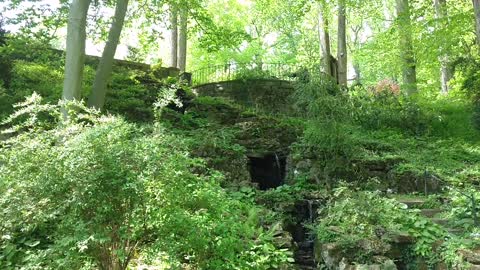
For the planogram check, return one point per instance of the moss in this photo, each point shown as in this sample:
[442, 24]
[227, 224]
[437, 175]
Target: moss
[220, 151]
[217, 110]
[263, 135]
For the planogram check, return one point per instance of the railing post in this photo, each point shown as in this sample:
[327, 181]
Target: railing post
[425, 182]
[474, 209]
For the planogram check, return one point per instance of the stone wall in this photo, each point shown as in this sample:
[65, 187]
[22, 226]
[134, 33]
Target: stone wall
[267, 95]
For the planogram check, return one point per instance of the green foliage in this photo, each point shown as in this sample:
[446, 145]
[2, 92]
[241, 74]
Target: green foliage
[131, 92]
[389, 110]
[5, 105]
[450, 250]
[354, 217]
[92, 194]
[28, 77]
[327, 111]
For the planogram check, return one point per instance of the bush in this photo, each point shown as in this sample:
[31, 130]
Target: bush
[387, 109]
[94, 194]
[327, 111]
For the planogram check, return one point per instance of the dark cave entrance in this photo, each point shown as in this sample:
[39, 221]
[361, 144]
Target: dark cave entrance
[268, 171]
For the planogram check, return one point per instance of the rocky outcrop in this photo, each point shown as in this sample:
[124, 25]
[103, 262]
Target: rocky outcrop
[333, 257]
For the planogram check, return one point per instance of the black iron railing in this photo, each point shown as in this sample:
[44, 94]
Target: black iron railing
[236, 71]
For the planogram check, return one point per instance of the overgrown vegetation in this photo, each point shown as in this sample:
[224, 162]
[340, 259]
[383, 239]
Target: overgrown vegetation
[325, 169]
[99, 191]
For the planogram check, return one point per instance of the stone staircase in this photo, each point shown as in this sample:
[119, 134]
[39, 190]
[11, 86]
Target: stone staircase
[435, 215]
[305, 259]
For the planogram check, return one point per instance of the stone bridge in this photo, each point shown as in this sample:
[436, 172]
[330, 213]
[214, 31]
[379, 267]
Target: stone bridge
[264, 87]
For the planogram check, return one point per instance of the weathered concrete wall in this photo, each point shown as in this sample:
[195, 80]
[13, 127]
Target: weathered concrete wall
[266, 95]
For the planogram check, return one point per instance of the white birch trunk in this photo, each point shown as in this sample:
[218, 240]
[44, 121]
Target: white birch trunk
[75, 50]
[182, 41]
[174, 37]
[104, 69]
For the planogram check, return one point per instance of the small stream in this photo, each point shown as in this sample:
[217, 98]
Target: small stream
[305, 214]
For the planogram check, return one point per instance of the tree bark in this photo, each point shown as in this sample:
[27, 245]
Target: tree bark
[445, 69]
[358, 74]
[342, 44]
[476, 8]
[324, 40]
[75, 50]
[174, 37]
[104, 69]
[182, 41]
[406, 47]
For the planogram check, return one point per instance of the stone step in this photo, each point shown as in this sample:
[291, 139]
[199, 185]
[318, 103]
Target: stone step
[430, 212]
[455, 231]
[440, 221]
[412, 202]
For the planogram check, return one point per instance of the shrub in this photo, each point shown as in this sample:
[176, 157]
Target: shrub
[327, 111]
[93, 194]
[386, 86]
[387, 109]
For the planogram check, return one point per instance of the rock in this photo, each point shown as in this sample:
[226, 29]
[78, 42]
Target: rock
[344, 265]
[400, 238]
[330, 254]
[387, 264]
[441, 266]
[374, 246]
[471, 256]
[282, 238]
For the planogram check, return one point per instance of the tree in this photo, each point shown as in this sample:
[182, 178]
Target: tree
[476, 8]
[406, 47]
[342, 44]
[104, 69]
[174, 36]
[3, 33]
[182, 40]
[74, 62]
[445, 70]
[324, 39]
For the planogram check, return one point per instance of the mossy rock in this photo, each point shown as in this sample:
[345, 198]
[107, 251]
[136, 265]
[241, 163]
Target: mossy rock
[216, 110]
[264, 135]
[221, 153]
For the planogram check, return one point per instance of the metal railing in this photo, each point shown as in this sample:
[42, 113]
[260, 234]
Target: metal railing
[238, 71]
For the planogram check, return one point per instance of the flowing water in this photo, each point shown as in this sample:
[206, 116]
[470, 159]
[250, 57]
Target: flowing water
[303, 236]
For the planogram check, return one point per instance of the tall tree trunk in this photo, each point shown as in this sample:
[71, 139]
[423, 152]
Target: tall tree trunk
[182, 41]
[476, 8]
[104, 69]
[406, 47]
[445, 70]
[342, 44]
[75, 47]
[174, 36]
[358, 74]
[324, 41]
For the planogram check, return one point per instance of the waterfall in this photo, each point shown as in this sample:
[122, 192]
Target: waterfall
[310, 210]
[279, 167]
